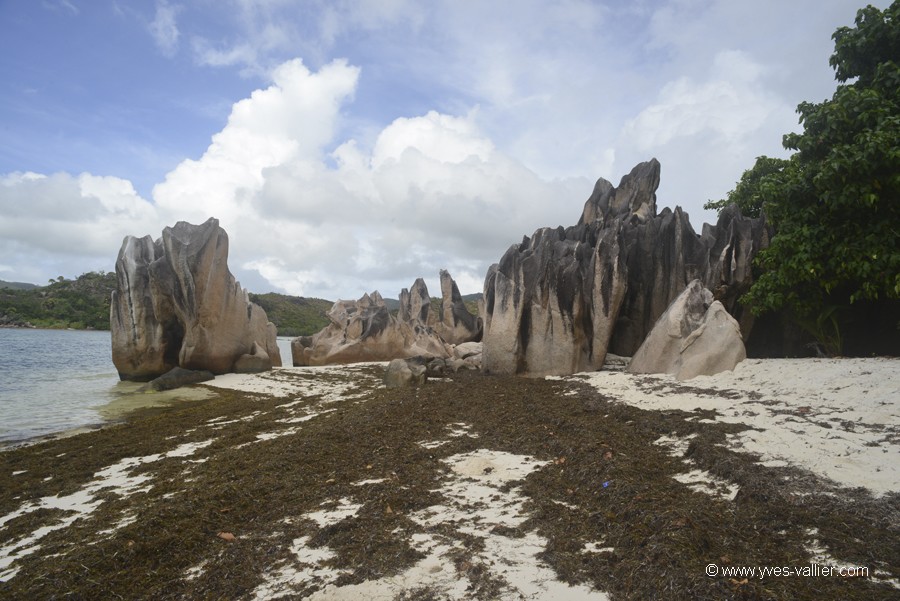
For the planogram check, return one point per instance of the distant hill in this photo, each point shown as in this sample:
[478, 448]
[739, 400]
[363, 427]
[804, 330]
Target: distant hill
[294, 315]
[17, 285]
[82, 303]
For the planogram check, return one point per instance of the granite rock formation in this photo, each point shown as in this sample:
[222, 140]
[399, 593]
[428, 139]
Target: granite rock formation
[695, 336]
[177, 305]
[176, 378]
[455, 324]
[557, 302]
[401, 373]
[365, 330]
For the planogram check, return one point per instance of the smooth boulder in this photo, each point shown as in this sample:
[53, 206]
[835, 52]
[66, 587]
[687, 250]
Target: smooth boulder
[401, 373]
[256, 361]
[176, 304]
[695, 336]
[176, 378]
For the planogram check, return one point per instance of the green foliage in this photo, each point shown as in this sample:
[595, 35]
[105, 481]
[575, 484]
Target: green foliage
[747, 193]
[835, 205]
[17, 285]
[82, 303]
[294, 315]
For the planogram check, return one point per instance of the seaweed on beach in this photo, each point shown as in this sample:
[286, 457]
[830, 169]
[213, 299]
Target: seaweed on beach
[216, 524]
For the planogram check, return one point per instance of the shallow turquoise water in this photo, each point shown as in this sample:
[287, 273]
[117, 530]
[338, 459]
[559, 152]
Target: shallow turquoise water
[51, 380]
[57, 380]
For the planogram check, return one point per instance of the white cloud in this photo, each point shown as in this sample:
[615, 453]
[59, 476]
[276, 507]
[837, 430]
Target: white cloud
[706, 132]
[164, 28]
[453, 129]
[60, 224]
[730, 105]
[56, 5]
[431, 193]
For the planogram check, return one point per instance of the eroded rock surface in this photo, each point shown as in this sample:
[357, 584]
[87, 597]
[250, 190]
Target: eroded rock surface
[455, 324]
[177, 305]
[365, 330]
[557, 302]
[695, 336]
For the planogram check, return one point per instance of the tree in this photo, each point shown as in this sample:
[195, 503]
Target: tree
[747, 192]
[835, 204]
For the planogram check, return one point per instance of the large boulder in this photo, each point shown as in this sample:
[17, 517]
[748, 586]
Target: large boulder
[552, 302]
[695, 336]
[557, 302]
[365, 330]
[176, 304]
[415, 304]
[401, 373]
[256, 361]
[176, 378]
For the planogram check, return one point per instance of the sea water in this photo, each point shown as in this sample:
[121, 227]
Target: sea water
[52, 380]
[59, 380]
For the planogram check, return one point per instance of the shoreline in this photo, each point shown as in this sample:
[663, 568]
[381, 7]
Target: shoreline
[124, 400]
[319, 482]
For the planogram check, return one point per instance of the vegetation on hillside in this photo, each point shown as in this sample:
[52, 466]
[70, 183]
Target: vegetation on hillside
[835, 203]
[294, 315]
[17, 285]
[82, 303]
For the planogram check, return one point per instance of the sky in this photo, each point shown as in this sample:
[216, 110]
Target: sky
[347, 146]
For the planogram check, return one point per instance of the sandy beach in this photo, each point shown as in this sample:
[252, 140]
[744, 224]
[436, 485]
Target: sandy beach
[320, 483]
[838, 418]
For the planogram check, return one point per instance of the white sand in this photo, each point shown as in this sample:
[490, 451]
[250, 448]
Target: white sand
[838, 418]
[298, 381]
[475, 502]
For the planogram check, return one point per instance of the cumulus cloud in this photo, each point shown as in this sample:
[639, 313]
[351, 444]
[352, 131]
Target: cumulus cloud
[705, 132]
[318, 216]
[452, 130]
[64, 224]
[164, 28]
[307, 212]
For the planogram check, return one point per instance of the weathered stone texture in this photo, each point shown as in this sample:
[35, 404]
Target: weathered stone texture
[365, 330]
[559, 300]
[695, 336]
[178, 305]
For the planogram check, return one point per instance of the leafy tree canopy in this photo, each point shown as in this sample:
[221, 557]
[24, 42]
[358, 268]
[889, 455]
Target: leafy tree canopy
[747, 194]
[835, 204]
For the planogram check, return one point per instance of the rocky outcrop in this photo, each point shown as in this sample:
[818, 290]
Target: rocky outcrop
[254, 362]
[455, 325]
[415, 304]
[177, 305]
[557, 302]
[401, 373]
[695, 336]
[365, 330]
[176, 378]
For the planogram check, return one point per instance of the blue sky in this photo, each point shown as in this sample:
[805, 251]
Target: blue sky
[347, 146]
